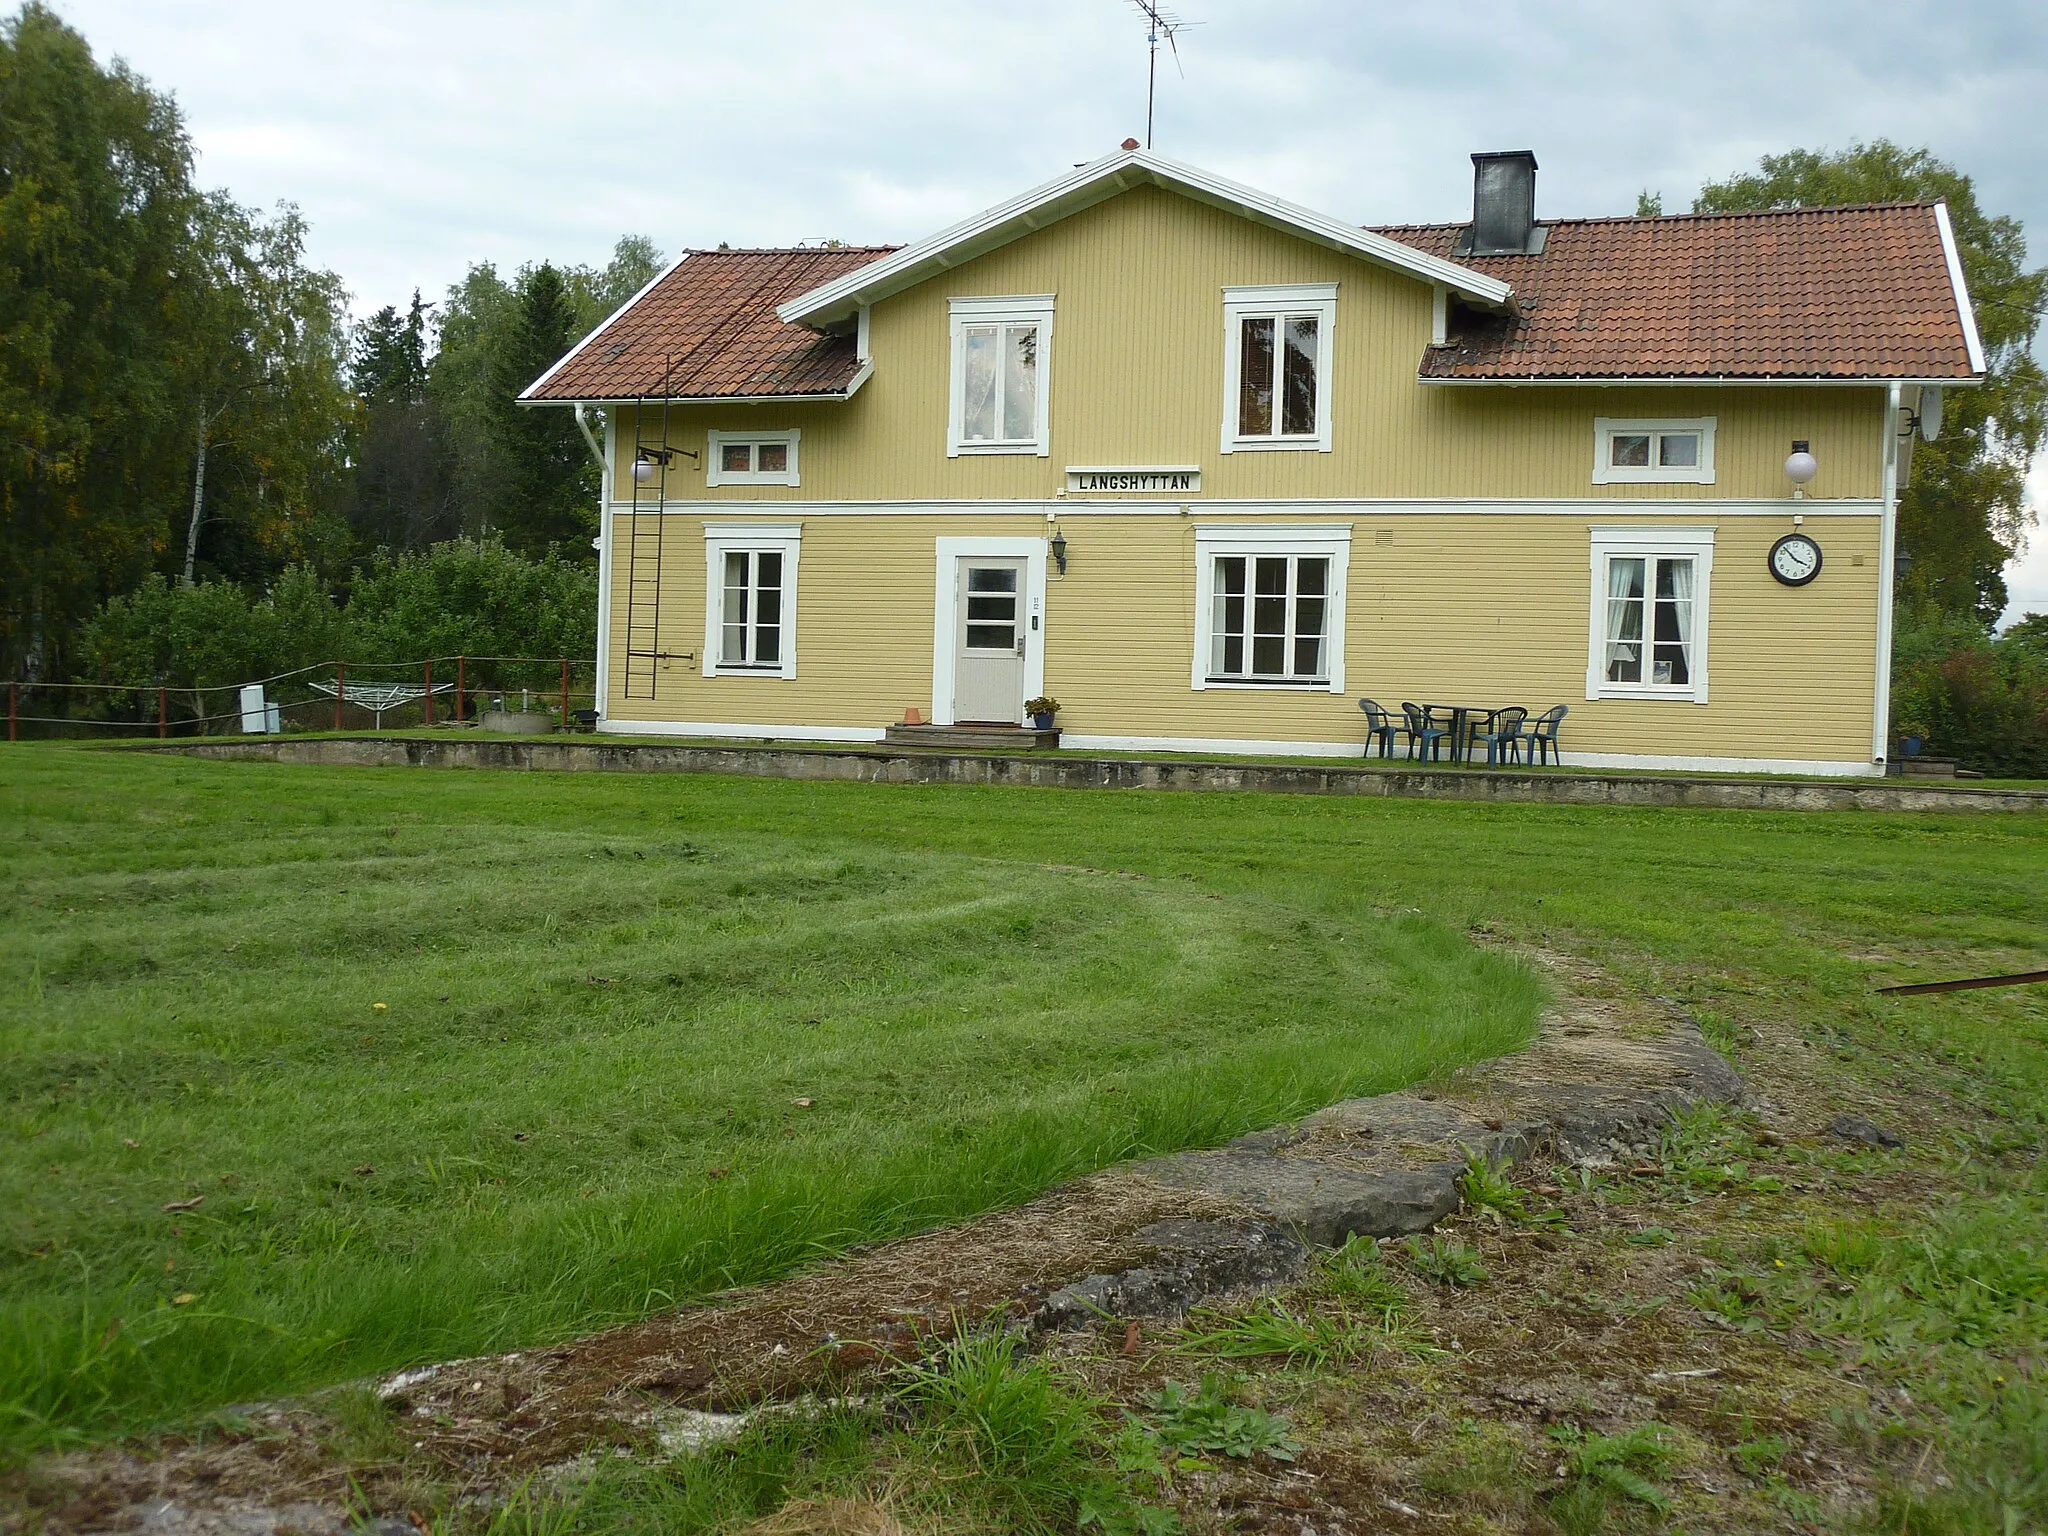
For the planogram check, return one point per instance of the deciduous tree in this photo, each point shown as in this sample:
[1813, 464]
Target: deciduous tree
[1961, 519]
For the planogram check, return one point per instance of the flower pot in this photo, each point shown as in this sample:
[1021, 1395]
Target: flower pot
[1042, 721]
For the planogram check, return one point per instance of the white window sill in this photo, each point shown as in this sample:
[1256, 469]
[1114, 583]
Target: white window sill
[1276, 445]
[732, 669]
[1278, 684]
[1654, 477]
[962, 450]
[1688, 694]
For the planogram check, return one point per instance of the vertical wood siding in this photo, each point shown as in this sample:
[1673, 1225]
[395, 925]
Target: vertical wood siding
[1136, 377]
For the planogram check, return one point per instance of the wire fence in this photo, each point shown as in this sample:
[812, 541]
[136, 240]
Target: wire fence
[327, 696]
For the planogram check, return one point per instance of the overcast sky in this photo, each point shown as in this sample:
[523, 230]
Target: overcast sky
[419, 136]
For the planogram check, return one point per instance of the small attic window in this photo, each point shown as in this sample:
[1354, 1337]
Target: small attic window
[753, 458]
[1648, 452]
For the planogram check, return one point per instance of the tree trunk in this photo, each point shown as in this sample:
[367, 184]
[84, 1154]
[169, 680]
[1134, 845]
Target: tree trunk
[198, 502]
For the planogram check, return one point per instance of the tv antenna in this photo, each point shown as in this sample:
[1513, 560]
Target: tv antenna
[1161, 25]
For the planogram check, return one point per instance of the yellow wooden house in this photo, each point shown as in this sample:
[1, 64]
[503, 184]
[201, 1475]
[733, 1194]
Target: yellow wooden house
[1209, 467]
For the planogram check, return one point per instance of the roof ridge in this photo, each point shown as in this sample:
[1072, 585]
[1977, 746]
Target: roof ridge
[782, 250]
[1680, 218]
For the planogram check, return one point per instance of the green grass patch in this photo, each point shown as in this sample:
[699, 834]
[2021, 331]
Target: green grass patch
[314, 1073]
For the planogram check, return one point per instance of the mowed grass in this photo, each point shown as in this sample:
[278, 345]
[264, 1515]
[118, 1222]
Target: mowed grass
[309, 1073]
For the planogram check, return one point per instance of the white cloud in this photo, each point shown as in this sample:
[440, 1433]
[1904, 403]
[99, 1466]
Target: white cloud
[419, 136]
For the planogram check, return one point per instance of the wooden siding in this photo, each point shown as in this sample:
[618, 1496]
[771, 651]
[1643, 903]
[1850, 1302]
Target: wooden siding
[1136, 377]
[1473, 607]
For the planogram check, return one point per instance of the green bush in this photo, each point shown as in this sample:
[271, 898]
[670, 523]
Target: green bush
[459, 598]
[1982, 701]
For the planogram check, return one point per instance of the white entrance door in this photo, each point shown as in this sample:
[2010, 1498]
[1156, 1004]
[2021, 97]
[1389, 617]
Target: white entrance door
[989, 640]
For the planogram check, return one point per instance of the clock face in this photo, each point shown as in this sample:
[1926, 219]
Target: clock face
[1795, 560]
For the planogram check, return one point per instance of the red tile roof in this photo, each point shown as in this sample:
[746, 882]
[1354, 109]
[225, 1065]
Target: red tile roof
[707, 330]
[1848, 293]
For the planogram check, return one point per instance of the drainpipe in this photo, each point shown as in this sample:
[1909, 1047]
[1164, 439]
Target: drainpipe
[603, 454]
[1887, 539]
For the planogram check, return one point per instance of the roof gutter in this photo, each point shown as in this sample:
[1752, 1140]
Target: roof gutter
[860, 377]
[1706, 381]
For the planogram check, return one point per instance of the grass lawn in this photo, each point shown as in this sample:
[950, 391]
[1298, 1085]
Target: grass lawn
[589, 961]
[311, 1073]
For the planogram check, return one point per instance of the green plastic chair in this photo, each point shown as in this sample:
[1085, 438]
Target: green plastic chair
[1504, 742]
[1543, 735]
[1424, 734]
[1379, 727]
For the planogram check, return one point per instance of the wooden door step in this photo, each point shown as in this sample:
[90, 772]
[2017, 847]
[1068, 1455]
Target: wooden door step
[970, 738]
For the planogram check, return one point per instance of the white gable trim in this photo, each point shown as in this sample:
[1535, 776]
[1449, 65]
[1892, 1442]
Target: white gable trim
[599, 329]
[1962, 289]
[1098, 181]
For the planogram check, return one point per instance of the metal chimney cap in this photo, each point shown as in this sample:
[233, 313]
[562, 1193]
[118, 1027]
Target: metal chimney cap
[1481, 156]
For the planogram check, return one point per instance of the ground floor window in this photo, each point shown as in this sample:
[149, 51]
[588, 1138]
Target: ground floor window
[750, 599]
[1271, 606]
[1649, 613]
[1269, 618]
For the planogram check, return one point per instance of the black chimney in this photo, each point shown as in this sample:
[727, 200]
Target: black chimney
[1503, 206]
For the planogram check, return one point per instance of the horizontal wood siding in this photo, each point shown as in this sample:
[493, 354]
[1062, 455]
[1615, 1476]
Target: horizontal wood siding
[1464, 607]
[1136, 377]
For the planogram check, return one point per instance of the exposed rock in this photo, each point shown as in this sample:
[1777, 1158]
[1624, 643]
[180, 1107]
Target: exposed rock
[1195, 1259]
[1866, 1132]
[1324, 1202]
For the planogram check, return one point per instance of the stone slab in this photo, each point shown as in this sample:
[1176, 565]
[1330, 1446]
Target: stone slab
[1066, 769]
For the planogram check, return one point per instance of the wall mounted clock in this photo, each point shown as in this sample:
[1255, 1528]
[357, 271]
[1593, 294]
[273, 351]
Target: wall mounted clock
[1795, 559]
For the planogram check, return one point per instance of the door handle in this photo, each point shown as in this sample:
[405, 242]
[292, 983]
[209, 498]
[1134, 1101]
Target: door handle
[1020, 642]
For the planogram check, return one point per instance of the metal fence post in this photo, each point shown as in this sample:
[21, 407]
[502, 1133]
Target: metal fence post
[340, 677]
[458, 689]
[565, 693]
[430, 691]
[163, 713]
[13, 711]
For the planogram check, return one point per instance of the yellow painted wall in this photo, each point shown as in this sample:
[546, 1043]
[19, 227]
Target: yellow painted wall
[1473, 607]
[1136, 377]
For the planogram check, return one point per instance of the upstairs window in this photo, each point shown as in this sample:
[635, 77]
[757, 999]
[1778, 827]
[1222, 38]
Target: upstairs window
[1276, 366]
[752, 458]
[1648, 452]
[1001, 353]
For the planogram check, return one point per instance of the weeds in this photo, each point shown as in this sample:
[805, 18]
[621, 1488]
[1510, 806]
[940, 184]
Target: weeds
[1446, 1261]
[1356, 1274]
[1309, 1340]
[1204, 1419]
[1617, 1463]
[1490, 1192]
[1033, 1442]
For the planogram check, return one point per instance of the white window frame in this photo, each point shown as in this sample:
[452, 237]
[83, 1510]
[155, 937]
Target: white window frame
[1016, 309]
[716, 474]
[1606, 472]
[722, 539]
[1650, 544]
[1275, 302]
[1329, 540]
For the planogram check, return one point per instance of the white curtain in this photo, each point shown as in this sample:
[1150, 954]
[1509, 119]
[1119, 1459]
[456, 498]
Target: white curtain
[1624, 619]
[1681, 606]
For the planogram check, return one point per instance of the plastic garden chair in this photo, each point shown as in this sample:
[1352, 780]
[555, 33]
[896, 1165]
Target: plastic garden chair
[1543, 735]
[1379, 727]
[1424, 734]
[1504, 742]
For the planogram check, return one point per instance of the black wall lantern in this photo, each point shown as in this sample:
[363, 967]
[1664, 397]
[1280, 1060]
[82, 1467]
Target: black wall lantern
[1059, 551]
